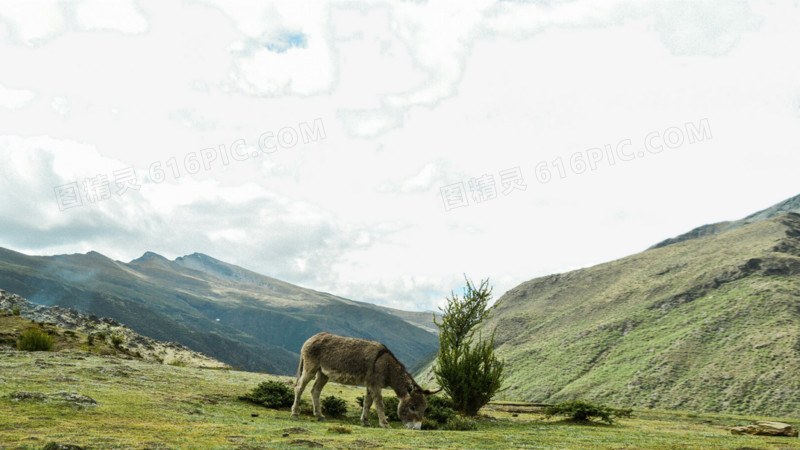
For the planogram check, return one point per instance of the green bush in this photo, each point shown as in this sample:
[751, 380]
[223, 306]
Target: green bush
[270, 394]
[467, 367]
[100, 336]
[90, 340]
[333, 406]
[15, 311]
[460, 423]
[583, 411]
[429, 424]
[440, 409]
[34, 340]
[116, 341]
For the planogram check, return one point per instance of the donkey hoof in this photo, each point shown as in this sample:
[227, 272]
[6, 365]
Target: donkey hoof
[321, 419]
[294, 417]
[365, 423]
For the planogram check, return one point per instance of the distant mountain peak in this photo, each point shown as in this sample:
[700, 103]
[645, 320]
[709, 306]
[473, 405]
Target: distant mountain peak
[198, 256]
[90, 255]
[149, 256]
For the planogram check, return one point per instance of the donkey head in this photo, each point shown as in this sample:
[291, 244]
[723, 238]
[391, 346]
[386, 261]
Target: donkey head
[412, 407]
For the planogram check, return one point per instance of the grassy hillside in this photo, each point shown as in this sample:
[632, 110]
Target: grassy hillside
[145, 405]
[234, 315]
[711, 324]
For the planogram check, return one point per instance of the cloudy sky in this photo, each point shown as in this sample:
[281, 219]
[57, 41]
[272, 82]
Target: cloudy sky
[379, 150]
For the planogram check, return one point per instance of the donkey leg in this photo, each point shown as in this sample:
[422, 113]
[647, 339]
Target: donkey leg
[302, 382]
[367, 405]
[378, 399]
[315, 391]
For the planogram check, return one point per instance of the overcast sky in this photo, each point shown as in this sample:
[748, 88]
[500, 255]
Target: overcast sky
[379, 150]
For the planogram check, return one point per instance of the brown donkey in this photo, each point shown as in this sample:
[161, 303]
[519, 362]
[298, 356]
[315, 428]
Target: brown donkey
[358, 362]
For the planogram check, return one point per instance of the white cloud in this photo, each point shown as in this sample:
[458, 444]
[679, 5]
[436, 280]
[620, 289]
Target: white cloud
[34, 23]
[15, 98]
[285, 49]
[122, 16]
[60, 105]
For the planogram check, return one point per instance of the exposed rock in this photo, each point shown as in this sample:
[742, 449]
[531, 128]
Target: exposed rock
[73, 397]
[305, 443]
[766, 429]
[57, 446]
[21, 396]
[62, 396]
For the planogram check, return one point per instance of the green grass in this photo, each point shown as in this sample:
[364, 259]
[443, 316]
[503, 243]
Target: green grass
[143, 404]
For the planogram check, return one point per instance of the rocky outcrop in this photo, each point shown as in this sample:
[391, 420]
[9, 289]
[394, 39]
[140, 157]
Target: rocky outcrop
[104, 328]
[767, 429]
[72, 398]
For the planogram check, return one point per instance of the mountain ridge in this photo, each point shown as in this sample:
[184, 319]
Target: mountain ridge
[789, 205]
[240, 317]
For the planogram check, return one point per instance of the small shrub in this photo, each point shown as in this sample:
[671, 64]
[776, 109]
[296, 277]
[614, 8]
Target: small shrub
[583, 411]
[270, 394]
[177, 363]
[429, 424]
[15, 311]
[35, 340]
[460, 423]
[90, 340]
[467, 367]
[116, 341]
[360, 401]
[100, 336]
[333, 406]
[440, 409]
[341, 429]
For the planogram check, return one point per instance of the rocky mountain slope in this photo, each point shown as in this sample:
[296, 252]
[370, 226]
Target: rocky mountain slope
[102, 329]
[786, 206]
[709, 324]
[232, 314]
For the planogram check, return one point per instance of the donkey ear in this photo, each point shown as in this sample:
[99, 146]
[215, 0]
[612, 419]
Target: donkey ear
[429, 392]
